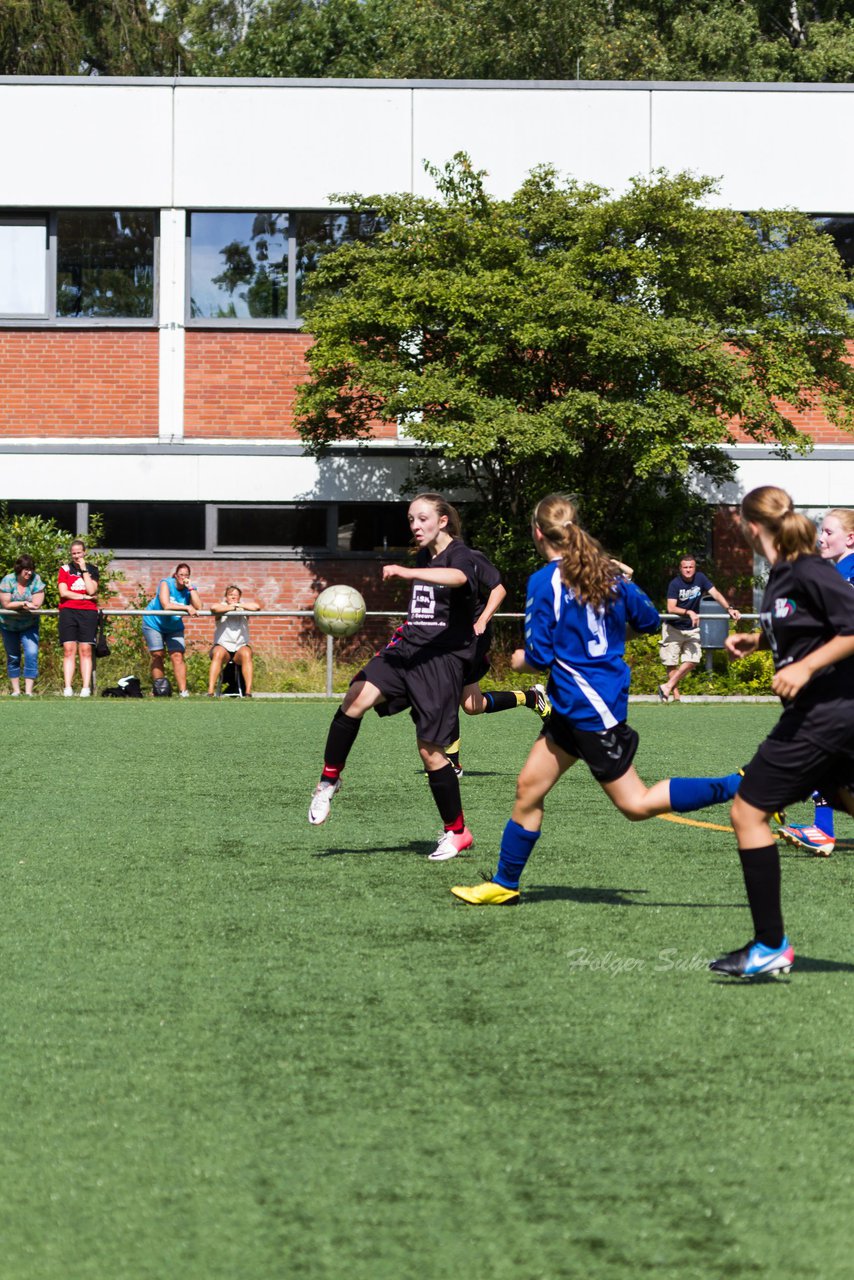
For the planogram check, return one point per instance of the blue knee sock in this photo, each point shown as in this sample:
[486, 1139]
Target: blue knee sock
[517, 845]
[823, 814]
[687, 794]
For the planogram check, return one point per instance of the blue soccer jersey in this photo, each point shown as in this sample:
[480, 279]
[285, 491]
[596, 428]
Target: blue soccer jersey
[583, 647]
[845, 566]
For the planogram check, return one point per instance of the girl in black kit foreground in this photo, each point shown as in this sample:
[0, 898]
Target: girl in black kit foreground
[420, 670]
[807, 621]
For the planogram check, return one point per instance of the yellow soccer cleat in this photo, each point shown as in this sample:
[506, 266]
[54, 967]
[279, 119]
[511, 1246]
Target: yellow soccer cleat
[488, 894]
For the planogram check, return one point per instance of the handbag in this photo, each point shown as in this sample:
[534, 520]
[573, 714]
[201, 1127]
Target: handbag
[102, 648]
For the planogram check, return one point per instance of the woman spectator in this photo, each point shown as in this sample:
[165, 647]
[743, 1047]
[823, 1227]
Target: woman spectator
[78, 616]
[161, 632]
[23, 591]
[231, 638]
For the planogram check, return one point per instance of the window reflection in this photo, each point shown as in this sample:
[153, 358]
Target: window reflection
[317, 233]
[239, 266]
[105, 263]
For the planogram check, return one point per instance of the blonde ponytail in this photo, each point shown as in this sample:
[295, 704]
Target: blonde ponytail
[585, 567]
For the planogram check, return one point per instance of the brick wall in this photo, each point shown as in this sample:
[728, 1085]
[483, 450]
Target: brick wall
[90, 382]
[241, 384]
[275, 584]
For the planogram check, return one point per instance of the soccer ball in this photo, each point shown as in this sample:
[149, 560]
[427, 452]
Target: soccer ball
[339, 611]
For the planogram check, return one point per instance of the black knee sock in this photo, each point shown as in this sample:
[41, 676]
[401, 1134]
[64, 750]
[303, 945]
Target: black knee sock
[342, 734]
[761, 868]
[502, 701]
[445, 788]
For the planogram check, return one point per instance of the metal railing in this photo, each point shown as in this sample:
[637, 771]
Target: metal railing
[305, 613]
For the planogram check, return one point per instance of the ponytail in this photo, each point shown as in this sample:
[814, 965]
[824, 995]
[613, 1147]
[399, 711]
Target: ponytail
[585, 567]
[792, 533]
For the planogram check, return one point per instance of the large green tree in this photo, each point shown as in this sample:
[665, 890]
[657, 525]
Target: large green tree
[86, 37]
[771, 40]
[567, 338]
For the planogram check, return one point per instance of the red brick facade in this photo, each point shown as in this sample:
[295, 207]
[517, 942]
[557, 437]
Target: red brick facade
[241, 384]
[81, 383]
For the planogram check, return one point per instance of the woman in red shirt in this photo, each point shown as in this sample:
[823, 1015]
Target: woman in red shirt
[78, 616]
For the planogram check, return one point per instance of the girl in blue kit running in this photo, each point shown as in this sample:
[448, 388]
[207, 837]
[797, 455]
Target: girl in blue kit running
[576, 613]
[836, 544]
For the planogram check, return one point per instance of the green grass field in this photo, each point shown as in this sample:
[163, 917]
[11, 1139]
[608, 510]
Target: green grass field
[237, 1046]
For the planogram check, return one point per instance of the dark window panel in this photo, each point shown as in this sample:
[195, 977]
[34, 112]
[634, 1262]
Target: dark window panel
[153, 526]
[369, 526]
[271, 527]
[318, 233]
[841, 230]
[64, 514]
[105, 263]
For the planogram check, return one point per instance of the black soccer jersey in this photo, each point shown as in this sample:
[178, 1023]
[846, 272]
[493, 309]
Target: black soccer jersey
[806, 603]
[440, 617]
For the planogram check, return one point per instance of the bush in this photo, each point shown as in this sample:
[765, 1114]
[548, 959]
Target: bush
[48, 544]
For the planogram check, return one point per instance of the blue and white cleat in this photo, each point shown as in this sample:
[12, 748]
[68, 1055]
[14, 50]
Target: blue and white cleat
[756, 961]
[812, 838]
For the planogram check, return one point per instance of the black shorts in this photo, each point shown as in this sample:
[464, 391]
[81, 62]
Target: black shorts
[608, 753]
[479, 664]
[787, 768]
[428, 686]
[78, 625]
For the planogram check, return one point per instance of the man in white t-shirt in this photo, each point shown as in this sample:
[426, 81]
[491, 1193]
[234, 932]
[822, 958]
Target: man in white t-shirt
[231, 638]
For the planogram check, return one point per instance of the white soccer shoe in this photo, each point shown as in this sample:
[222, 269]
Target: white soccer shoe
[450, 844]
[321, 801]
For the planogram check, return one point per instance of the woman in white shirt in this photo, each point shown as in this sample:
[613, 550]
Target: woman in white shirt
[231, 638]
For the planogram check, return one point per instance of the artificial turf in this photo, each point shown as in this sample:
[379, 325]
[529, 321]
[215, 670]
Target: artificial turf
[237, 1046]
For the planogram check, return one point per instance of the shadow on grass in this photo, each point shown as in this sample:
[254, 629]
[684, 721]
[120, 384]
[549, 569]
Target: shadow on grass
[803, 965]
[591, 897]
[418, 849]
[812, 964]
[609, 897]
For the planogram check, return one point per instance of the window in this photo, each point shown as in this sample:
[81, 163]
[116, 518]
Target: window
[153, 526]
[318, 233]
[23, 266]
[63, 514]
[251, 267]
[105, 264]
[272, 527]
[373, 526]
[90, 265]
[841, 230]
[233, 530]
[239, 266]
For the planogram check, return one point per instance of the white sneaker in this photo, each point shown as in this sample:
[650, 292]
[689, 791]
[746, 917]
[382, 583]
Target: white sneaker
[450, 844]
[321, 801]
[185, 693]
[86, 693]
[68, 692]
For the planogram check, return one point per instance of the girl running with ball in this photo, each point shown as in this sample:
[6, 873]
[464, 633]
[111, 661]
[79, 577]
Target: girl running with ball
[421, 669]
[577, 609]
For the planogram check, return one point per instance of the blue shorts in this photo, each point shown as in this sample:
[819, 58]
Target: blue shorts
[155, 640]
